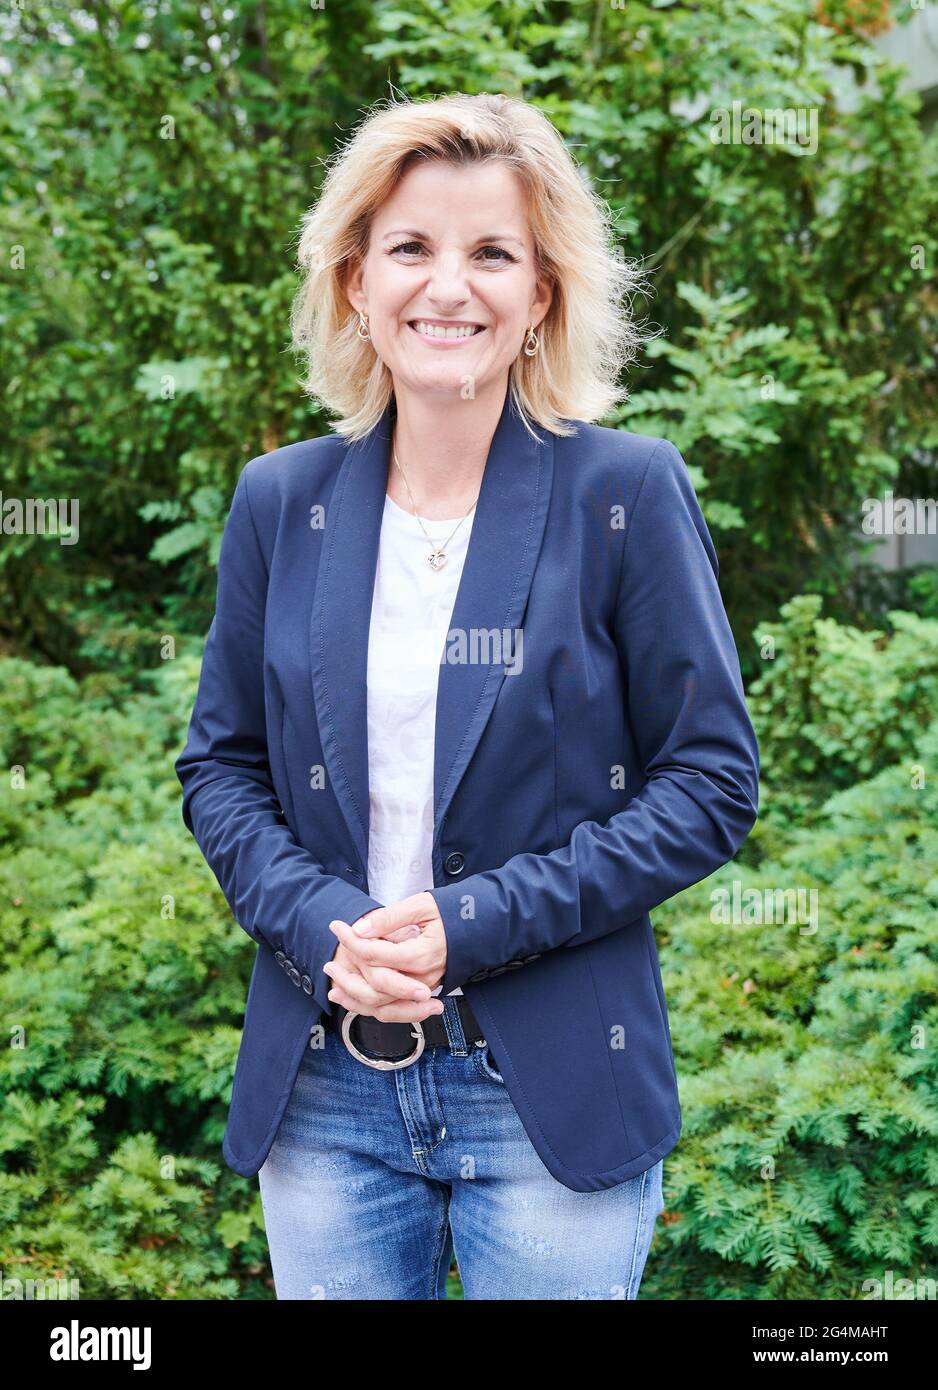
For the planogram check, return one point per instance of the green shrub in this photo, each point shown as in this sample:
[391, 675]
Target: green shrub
[809, 1085]
[835, 705]
[807, 1162]
[122, 995]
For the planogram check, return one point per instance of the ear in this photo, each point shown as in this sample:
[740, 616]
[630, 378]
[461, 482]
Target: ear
[354, 287]
[543, 298]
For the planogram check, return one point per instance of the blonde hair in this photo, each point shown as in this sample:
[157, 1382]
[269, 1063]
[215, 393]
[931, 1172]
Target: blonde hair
[587, 336]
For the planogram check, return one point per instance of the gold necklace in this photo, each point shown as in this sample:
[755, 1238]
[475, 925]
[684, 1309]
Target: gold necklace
[437, 557]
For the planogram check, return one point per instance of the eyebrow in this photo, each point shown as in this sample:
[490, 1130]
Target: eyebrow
[425, 236]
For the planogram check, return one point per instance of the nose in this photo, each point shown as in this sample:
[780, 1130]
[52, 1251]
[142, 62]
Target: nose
[448, 285]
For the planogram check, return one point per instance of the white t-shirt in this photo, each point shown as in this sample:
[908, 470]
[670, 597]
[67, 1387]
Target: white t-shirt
[410, 617]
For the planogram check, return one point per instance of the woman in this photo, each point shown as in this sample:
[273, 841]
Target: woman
[470, 706]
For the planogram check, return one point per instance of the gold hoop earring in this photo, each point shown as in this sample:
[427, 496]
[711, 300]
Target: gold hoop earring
[531, 343]
[362, 324]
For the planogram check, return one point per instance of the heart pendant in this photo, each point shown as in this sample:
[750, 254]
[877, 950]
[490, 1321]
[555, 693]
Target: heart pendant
[436, 559]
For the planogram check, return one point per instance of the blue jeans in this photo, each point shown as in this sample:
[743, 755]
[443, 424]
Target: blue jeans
[375, 1177]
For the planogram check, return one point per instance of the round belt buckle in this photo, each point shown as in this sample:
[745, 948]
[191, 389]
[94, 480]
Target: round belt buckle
[382, 1063]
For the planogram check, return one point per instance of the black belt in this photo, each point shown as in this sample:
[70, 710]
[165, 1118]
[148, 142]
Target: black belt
[393, 1045]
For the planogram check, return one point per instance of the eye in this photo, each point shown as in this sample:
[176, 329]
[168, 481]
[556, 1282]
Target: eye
[411, 248]
[499, 251]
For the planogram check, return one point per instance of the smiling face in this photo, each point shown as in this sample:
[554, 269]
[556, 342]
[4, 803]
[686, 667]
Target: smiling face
[449, 284]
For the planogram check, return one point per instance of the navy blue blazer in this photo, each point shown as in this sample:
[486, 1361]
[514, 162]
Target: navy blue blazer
[600, 763]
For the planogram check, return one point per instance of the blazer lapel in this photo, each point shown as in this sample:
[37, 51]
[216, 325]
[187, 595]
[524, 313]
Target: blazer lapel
[504, 544]
[493, 594]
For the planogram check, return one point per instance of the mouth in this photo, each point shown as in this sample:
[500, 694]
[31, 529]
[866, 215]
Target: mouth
[434, 331]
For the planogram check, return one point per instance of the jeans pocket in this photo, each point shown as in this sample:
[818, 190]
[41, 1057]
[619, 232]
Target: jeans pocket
[485, 1062]
[658, 1174]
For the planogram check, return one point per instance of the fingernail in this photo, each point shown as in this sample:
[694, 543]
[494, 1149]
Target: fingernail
[422, 993]
[361, 928]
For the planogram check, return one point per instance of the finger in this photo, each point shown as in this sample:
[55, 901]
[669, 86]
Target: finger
[404, 1012]
[390, 984]
[370, 996]
[403, 955]
[396, 1011]
[396, 984]
[404, 934]
[378, 922]
[382, 921]
[338, 996]
[355, 987]
[406, 956]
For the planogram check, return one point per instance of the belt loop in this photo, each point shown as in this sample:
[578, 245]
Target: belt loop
[453, 1025]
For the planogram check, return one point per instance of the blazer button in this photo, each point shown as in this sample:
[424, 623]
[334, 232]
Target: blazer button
[294, 974]
[280, 957]
[453, 864]
[307, 984]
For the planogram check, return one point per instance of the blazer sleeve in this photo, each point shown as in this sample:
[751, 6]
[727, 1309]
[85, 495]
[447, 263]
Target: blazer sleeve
[275, 888]
[693, 734]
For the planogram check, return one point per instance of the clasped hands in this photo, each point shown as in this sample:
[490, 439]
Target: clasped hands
[390, 960]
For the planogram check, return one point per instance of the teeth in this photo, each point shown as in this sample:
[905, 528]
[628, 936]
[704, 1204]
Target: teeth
[436, 330]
